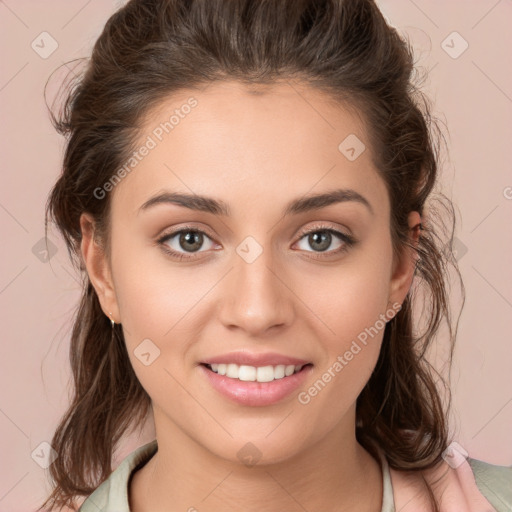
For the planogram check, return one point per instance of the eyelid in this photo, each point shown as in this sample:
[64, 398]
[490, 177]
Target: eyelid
[186, 227]
[323, 226]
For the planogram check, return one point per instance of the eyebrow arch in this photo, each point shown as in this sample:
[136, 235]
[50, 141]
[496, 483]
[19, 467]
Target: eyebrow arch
[218, 207]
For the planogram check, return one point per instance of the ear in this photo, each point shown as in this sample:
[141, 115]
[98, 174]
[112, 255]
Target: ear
[405, 265]
[98, 268]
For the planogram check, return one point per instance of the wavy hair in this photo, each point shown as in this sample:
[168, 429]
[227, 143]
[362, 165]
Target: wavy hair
[150, 49]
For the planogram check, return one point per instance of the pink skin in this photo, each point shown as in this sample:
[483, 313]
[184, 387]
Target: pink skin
[256, 153]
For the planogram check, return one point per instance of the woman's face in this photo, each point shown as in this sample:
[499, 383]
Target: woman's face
[252, 280]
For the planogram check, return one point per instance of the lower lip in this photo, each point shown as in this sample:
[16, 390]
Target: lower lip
[256, 393]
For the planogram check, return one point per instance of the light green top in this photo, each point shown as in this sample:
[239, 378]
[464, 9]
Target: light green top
[494, 482]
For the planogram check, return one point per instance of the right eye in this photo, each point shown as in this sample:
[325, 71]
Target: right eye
[189, 238]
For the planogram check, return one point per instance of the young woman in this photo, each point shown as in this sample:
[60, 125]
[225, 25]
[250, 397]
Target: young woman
[246, 189]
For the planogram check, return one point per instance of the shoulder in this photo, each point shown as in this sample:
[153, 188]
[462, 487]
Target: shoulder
[494, 482]
[112, 494]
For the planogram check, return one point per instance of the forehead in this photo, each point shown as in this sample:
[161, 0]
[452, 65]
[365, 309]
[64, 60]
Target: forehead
[252, 144]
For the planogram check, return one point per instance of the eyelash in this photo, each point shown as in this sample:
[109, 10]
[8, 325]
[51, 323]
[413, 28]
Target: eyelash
[348, 241]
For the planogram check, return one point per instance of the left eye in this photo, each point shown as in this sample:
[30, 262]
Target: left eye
[323, 238]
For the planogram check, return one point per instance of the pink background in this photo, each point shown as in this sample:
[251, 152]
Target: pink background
[472, 96]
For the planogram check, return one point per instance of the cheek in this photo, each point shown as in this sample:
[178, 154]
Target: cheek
[347, 299]
[152, 294]
[349, 311]
[351, 348]
[162, 307]
[353, 326]
[155, 317]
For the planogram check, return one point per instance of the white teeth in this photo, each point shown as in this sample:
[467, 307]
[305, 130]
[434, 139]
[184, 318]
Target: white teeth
[255, 374]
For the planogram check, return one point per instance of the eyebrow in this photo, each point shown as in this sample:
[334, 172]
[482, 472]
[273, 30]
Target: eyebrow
[218, 207]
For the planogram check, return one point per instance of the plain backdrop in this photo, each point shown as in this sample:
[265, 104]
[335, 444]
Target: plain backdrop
[464, 46]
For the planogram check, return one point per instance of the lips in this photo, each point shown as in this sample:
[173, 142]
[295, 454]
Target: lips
[253, 359]
[255, 394]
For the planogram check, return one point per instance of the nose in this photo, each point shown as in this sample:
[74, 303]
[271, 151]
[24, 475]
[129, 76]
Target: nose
[255, 297]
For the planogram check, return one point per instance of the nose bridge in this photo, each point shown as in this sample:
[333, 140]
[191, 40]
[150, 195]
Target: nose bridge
[255, 297]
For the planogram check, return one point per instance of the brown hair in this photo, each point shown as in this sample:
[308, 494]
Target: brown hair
[148, 50]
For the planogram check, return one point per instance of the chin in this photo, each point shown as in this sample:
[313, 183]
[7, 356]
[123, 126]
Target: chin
[257, 450]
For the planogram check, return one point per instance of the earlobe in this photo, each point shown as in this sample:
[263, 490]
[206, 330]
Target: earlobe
[403, 273]
[98, 269]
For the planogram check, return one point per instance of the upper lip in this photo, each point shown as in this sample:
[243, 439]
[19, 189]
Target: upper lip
[248, 359]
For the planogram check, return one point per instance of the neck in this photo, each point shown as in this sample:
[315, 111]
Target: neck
[336, 474]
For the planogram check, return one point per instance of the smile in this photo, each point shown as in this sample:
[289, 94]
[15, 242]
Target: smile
[255, 373]
[242, 384]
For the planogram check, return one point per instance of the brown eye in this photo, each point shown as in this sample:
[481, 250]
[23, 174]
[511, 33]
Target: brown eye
[190, 240]
[183, 241]
[321, 238]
